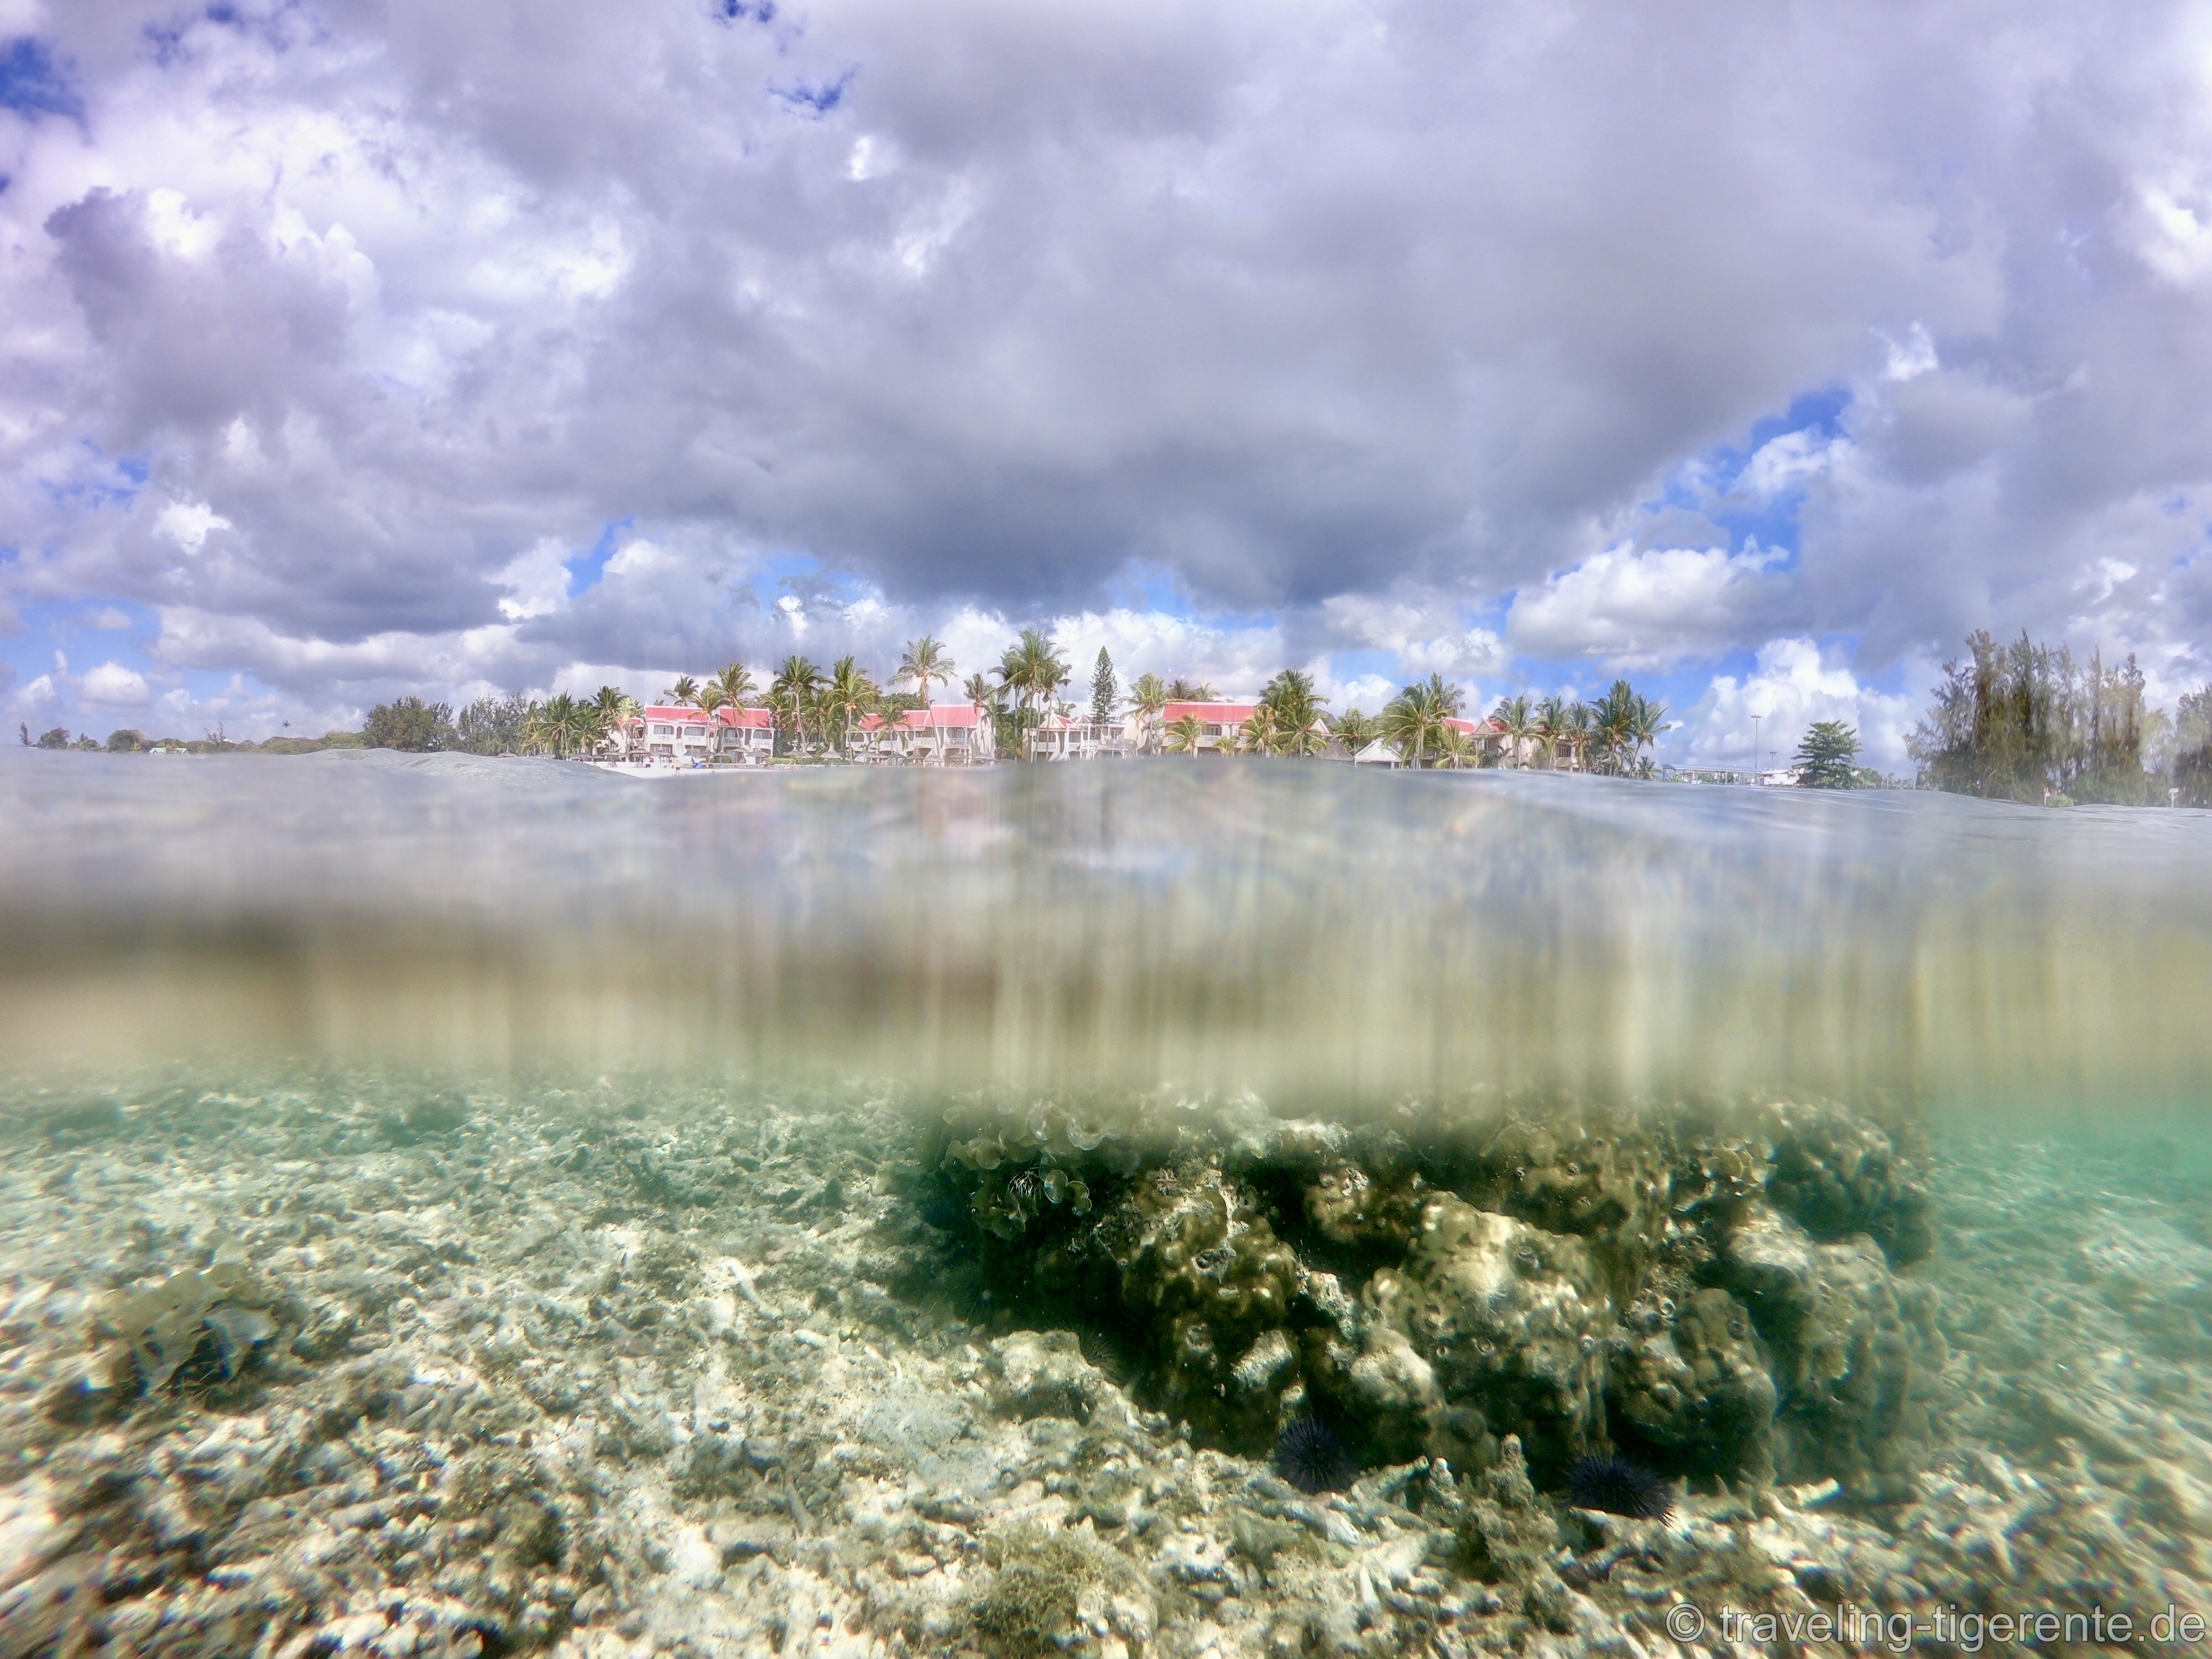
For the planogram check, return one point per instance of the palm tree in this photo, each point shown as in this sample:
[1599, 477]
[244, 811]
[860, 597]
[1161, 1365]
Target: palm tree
[792, 695]
[1576, 726]
[542, 728]
[925, 661]
[1615, 721]
[1183, 690]
[1415, 720]
[685, 690]
[1514, 714]
[1260, 734]
[1146, 698]
[565, 724]
[1455, 748]
[849, 694]
[1033, 670]
[738, 686]
[1646, 720]
[1551, 721]
[1297, 712]
[1183, 736]
[990, 699]
[1354, 729]
[615, 708]
[1411, 723]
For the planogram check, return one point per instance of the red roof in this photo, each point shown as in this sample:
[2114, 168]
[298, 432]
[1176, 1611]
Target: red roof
[1212, 713]
[937, 717]
[751, 720]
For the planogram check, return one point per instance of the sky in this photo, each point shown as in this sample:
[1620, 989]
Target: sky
[1756, 353]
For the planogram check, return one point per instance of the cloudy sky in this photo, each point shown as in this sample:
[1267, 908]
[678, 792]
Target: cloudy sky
[1756, 352]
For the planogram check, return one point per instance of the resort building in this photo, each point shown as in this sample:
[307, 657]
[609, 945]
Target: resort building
[1219, 723]
[1059, 739]
[945, 734]
[680, 734]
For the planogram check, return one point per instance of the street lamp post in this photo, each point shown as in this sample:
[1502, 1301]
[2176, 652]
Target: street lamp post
[1755, 720]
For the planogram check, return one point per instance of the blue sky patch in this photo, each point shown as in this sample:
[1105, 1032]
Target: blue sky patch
[814, 97]
[32, 83]
[588, 569]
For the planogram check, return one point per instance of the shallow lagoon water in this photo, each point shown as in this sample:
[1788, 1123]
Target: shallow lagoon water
[897, 1213]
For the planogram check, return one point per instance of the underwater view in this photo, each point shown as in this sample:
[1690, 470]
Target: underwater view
[460, 1206]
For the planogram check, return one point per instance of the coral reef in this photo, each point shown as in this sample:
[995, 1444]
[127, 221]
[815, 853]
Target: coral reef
[1856, 1353]
[1497, 1316]
[1836, 1174]
[1690, 1385]
[1573, 1277]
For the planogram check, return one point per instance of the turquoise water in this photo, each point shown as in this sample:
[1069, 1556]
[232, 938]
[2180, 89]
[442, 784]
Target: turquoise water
[463, 1206]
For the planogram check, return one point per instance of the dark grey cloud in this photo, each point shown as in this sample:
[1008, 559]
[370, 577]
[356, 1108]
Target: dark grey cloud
[1362, 312]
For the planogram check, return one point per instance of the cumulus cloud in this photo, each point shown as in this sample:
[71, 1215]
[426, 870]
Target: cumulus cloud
[1792, 685]
[1652, 609]
[337, 335]
[115, 686]
[1424, 636]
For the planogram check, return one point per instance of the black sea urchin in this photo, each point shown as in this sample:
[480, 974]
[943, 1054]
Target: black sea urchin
[1618, 1487]
[1311, 1458]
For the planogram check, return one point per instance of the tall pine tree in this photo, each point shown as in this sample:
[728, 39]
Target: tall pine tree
[1103, 690]
[1827, 757]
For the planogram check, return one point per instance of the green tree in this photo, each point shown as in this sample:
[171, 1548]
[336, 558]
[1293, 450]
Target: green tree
[2193, 748]
[1147, 696]
[1550, 730]
[1183, 735]
[926, 661]
[493, 725]
[1519, 719]
[126, 742]
[1105, 695]
[1183, 690]
[409, 723]
[790, 698]
[1353, 731]
[1260, 734]
[1576, 726]
[735, 685]
[1457, 748]
[1828, 757]
[1295, 712]
[566, 725]
[57, 738]
[2020, 722]
[849, 694]
[1414, 722]
[1623, 725]
[617, 708]
[992, 701]
[1033, 670]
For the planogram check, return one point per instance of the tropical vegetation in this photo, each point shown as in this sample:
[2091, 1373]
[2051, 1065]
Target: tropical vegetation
[2026, 722]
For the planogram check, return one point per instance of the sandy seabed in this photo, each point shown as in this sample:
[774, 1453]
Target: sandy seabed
[668, 1369]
